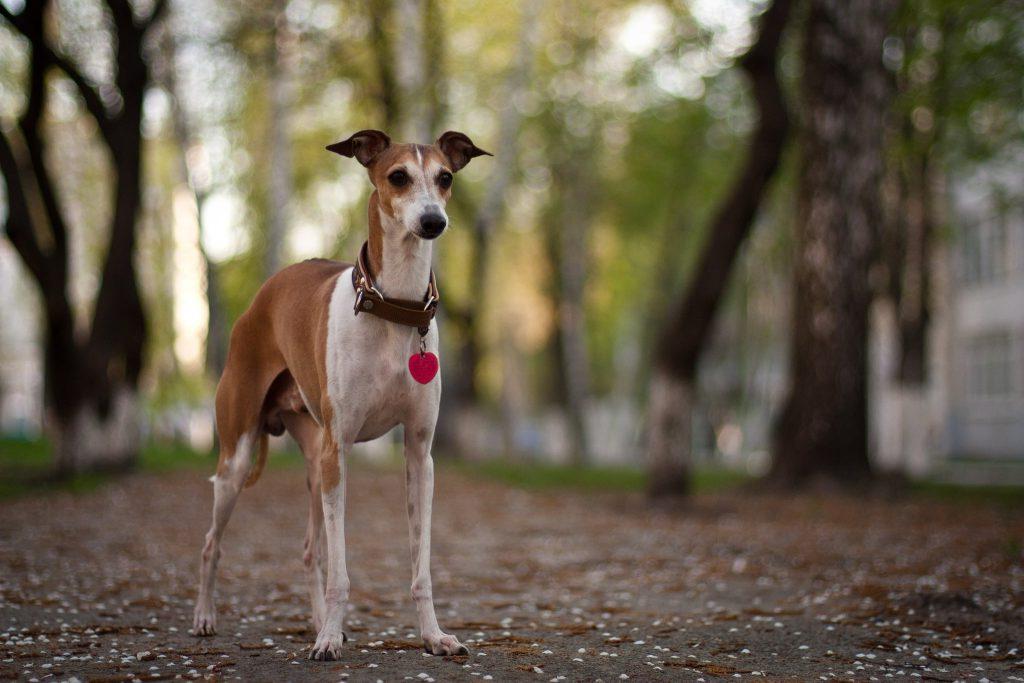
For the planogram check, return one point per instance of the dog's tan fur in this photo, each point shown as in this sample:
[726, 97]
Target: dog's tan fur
[279, 343]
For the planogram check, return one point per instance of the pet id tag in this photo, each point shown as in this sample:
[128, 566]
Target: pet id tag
[423, 366]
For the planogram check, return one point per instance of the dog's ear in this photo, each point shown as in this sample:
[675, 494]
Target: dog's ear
[364, 146]
[459, 149]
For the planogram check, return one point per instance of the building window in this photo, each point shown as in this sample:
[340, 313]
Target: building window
[985, 255]
[991, 373]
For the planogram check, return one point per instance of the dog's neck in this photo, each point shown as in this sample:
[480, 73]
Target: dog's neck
[399, 261]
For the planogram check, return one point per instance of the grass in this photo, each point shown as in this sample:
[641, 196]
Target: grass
[540, 476]
[1009, 496]
[26, 468]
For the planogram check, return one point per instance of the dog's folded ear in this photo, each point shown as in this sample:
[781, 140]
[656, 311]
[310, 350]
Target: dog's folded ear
[364, 146]
[459, 149]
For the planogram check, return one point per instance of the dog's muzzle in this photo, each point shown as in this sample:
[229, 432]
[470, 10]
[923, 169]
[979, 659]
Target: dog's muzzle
[432, 225]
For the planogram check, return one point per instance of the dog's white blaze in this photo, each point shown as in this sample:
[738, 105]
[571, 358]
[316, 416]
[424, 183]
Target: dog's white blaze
[424, 196]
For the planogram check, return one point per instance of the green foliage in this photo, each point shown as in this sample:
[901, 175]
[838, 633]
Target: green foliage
[961, 63]
[1005, 496]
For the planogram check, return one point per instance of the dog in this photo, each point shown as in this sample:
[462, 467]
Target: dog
[335, 354]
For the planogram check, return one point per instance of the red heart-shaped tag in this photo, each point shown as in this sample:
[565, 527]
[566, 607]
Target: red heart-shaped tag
[423, 366]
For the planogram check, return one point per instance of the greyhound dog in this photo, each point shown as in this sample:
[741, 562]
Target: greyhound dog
[336, 354]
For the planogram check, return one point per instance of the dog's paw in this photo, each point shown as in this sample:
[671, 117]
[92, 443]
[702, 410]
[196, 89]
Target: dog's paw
[444, 644]
[204, 622]
[328, 646]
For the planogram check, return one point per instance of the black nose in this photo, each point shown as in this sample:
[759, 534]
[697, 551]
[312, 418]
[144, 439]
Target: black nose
[432, 224]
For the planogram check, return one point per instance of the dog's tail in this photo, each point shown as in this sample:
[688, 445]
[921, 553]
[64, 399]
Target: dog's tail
[261, 460]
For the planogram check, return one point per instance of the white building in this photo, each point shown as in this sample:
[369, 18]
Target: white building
[21, 369]
[967, 424]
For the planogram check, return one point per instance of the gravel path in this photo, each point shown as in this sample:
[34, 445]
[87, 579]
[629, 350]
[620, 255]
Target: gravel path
[540, 586]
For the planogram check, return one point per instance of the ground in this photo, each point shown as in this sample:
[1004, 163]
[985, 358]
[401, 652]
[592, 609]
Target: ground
[541, 585]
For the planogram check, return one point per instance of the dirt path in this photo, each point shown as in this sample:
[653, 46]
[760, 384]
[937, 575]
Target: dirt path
[539, 586]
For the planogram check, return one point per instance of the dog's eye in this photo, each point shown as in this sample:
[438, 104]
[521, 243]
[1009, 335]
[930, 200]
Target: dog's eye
[445, 179]
[399, 178]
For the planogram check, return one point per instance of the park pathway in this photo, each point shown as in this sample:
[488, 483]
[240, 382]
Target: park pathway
[541, 586]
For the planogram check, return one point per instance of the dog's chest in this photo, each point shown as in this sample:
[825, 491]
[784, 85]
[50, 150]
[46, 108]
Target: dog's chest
[368, 371]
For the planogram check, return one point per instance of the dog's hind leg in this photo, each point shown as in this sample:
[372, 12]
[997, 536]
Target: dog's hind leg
[333, 457]
[307, 434]
[227, 484]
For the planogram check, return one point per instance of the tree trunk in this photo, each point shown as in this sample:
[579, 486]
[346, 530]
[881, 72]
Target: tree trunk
[670, 434]
[280, 194]
[435, 85]
[912, 226]
[684, 337]
[91, 398]
[217, 327]
[381, 18]
[822, 430]
[411, 72]
[461, 388]
[96, 440]
[913, 305]
[572, 322]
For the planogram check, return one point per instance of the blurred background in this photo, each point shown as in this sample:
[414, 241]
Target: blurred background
[774, 238]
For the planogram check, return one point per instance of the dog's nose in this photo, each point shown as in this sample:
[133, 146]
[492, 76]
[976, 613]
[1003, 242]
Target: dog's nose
[432, 224]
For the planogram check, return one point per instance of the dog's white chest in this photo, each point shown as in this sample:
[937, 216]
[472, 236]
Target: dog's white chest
[369, 384]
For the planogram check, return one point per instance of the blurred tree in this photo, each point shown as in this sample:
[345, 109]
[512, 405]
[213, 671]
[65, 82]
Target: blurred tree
[956, 69]
[195, 175]
[954, 61]
[409, 82]
[92, 379]
[411, 70]
[574, 151]
[435, 81]
[279, 60]
[684, 336]
[845, 94]
[577, 184]
[461, 383]
[910, 225]
[380, 16]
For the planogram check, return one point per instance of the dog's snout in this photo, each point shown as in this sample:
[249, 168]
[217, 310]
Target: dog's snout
[432, 224]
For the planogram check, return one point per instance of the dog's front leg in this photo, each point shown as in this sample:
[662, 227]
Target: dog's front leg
[419, 485]
[333, 457]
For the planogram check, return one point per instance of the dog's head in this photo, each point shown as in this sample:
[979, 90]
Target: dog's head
[413, 182]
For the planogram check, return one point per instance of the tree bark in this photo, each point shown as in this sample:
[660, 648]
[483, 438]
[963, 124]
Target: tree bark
[280, 185]
[822, 432]
[91, 383]
[684, 337]
[914, 289]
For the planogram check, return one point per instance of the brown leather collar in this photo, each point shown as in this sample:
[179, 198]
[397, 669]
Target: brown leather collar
[408, 312]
